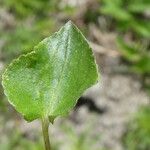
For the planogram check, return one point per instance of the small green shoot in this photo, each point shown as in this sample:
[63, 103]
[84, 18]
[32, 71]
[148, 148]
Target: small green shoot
[47, 82]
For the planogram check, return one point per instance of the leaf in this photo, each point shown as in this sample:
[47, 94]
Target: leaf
[48, 81]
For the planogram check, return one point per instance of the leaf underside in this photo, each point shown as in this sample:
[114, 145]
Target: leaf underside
[48, 81]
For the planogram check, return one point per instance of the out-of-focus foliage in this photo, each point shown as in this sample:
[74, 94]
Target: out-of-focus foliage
[74, 141]
[138, 134]
[24, 8]
[16, 141]
[129, 15]
[82, 141]
[131, 20]
[137, 55]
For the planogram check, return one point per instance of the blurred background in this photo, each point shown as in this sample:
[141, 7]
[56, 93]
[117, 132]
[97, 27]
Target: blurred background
[112, 115]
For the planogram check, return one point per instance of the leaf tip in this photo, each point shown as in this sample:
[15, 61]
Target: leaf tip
[70, 24]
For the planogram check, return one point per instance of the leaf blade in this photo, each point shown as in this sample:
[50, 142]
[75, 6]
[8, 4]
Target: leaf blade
[49, 80]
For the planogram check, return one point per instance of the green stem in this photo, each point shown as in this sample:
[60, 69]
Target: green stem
[45, 126]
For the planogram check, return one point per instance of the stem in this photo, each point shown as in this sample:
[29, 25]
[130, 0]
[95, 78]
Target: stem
[45, 126]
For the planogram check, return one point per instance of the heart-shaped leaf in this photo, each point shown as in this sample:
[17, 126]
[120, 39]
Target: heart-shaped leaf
[48, 81]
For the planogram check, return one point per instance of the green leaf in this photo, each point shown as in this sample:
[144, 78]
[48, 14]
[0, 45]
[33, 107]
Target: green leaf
[48, 81]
